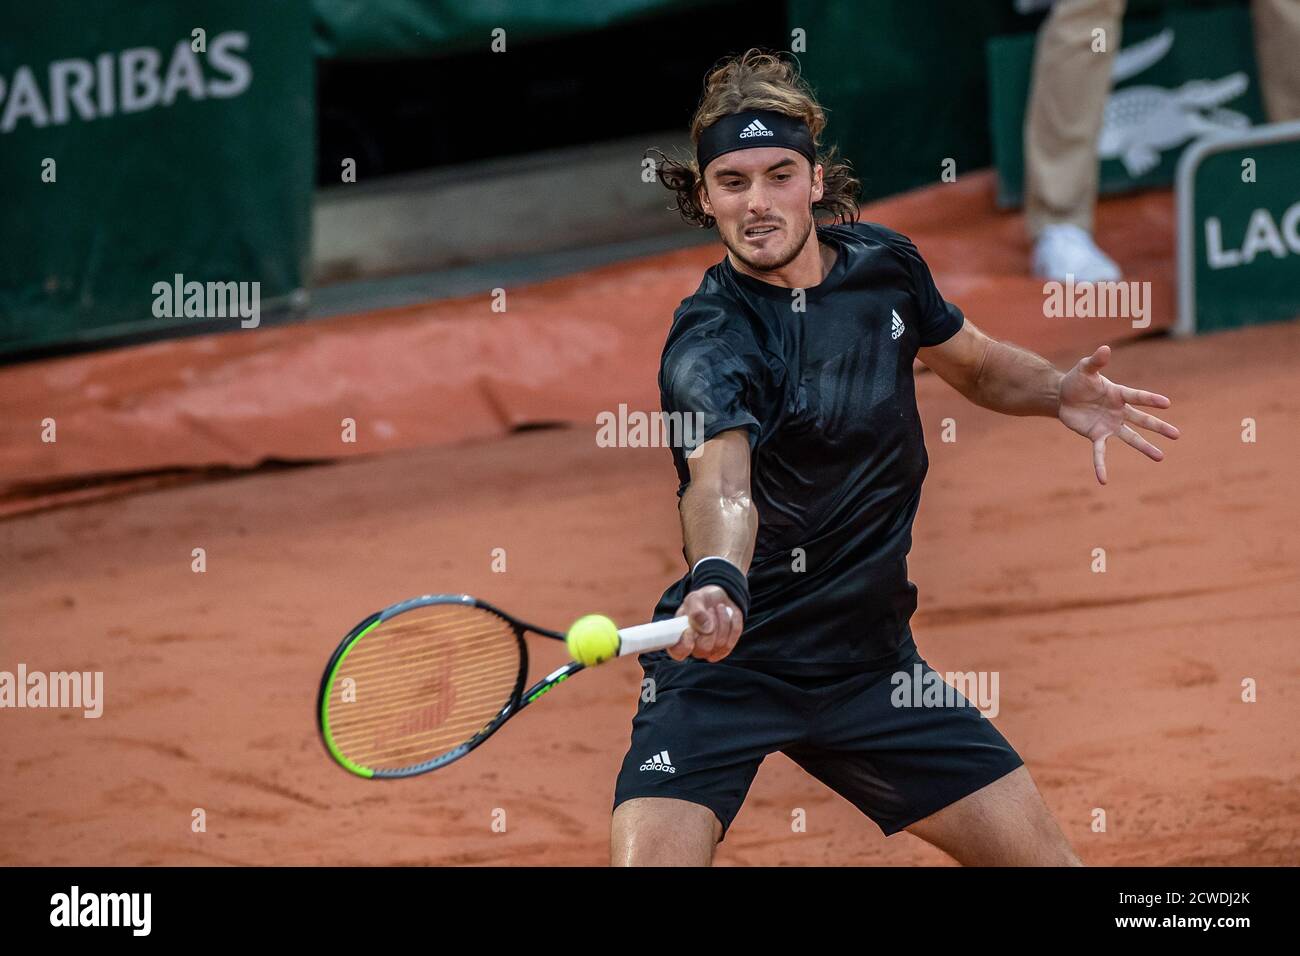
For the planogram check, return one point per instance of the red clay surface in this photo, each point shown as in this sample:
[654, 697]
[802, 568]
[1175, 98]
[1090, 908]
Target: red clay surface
[1122, 690]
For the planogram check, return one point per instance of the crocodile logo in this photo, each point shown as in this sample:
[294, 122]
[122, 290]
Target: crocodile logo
[1141, 122]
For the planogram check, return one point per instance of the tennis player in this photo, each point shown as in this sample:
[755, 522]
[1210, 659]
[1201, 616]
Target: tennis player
[798, 499]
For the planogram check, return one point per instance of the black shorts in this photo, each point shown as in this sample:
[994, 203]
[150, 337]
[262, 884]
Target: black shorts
[711, 724]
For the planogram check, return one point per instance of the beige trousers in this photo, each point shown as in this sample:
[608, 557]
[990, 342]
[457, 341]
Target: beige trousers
[1071, 82]
[1277, 51]
[1067, 103]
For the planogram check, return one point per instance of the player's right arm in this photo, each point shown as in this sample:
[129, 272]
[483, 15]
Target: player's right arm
[715, 376]
[719, 520]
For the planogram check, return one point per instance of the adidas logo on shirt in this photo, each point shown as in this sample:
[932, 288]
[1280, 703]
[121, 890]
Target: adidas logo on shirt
[755, 129]
[896, 327]
[659, 761]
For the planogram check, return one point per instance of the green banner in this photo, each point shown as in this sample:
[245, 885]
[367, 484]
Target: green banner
[146, 147]
[1239, 230]
[904, 84]
[387, 29]
[1179, 76]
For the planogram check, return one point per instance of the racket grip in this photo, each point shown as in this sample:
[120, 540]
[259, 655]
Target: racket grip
[650, 637]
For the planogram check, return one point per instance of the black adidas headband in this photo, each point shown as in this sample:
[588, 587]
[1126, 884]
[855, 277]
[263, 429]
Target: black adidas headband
[751, 129]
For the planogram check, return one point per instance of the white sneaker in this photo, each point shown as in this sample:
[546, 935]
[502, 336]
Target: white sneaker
[1065, 249]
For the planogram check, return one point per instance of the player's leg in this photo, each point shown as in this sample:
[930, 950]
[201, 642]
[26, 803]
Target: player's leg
[662, 831]
[1005, 823]
[930, 763]
[700, 732]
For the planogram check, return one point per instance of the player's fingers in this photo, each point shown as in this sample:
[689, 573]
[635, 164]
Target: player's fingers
[1149, 422]
[728, 631]
[735, 622]
[1097, 360]
[684, 647]
[1099, 459]
[1139, 396]
[1130, 437]
[701, 615]
[706, 642]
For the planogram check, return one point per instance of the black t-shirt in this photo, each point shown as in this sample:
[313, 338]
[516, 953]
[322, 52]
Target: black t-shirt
[838, 457]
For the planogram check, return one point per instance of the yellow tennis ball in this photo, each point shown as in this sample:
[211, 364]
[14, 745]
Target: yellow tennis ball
[592, 639]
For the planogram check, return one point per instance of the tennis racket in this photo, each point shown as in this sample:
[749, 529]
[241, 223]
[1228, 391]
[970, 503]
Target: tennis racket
[422, 683]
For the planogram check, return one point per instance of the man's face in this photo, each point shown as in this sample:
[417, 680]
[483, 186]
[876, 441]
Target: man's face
[762, 200]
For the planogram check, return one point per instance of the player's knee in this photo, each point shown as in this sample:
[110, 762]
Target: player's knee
[661, 831]
[1066, 855]
[1052, 847]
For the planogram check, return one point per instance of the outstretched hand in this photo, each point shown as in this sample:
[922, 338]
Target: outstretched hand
[1097, 408]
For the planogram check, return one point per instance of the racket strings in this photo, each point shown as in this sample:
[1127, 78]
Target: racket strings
[420, 684]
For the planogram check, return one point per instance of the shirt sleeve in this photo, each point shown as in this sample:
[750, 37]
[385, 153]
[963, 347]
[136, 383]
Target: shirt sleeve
[939, 319]
[708, 387]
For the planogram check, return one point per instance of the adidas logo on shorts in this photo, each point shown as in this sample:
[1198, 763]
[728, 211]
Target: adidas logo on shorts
[755, 129]
[659, 761]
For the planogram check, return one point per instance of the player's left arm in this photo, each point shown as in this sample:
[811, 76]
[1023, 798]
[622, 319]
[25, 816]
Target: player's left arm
[1008, 379]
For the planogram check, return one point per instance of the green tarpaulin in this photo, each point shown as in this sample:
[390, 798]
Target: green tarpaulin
[130, 157]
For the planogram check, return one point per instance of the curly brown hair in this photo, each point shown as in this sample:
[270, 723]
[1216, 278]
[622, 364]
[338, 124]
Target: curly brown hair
[758, 80]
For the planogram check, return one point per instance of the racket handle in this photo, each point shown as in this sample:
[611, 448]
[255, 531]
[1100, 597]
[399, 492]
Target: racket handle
[650, 637]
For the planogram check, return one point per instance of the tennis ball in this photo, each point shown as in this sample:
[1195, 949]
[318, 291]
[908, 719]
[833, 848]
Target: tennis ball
[592, 639]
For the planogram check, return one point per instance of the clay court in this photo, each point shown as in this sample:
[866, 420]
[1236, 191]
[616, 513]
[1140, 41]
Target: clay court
[1122, 690]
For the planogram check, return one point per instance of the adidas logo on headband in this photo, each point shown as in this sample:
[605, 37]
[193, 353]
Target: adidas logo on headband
[753, 129]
